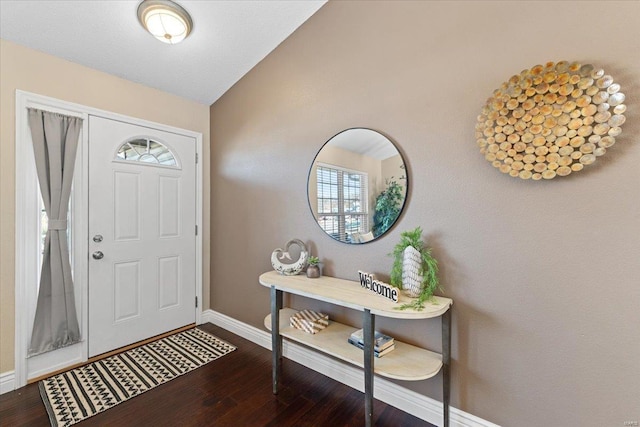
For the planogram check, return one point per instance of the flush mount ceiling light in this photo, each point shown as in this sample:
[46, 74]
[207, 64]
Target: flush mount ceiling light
[165, 20]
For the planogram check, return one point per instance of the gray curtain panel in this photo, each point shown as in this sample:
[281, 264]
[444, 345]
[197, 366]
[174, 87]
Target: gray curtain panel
[55, 142]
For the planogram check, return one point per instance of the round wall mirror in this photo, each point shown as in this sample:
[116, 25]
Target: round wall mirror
[357, 186]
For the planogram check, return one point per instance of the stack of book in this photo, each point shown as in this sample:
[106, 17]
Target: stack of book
[383, 344]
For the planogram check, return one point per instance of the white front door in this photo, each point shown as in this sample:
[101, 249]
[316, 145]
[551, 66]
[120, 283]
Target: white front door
[142, 243]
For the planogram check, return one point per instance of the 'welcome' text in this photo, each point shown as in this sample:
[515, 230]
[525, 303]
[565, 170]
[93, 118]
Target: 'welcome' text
[368, 281]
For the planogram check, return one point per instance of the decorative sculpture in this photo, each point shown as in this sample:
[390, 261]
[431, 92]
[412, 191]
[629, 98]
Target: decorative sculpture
[550, 120]
[294, 267]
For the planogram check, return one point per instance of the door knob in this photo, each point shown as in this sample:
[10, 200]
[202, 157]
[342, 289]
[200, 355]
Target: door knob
[98, 255]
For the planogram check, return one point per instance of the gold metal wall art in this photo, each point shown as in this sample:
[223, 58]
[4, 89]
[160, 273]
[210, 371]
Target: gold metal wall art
[551, 120]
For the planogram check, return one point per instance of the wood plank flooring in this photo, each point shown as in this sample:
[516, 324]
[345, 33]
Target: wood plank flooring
[234, 390]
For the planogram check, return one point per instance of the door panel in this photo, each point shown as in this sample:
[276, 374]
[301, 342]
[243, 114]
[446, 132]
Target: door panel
[126, 214]
[168, 206]
[169, 274]
[144, 284]
[126, 290]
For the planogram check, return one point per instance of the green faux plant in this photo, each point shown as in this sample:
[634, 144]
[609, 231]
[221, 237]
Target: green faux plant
[428, 269]
[314, 260]
[387, 209]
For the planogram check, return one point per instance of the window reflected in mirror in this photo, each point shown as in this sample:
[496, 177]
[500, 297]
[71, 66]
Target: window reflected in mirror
[342, 201]
[357, 186]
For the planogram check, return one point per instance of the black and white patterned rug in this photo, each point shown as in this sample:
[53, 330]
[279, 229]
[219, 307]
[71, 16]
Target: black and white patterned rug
[80, 393]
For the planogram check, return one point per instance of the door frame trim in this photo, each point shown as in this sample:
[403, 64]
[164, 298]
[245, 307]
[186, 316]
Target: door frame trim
[26, 269]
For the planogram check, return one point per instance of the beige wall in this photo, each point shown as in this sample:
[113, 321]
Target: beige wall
[32, 71]
[393, 170]
[545, 275]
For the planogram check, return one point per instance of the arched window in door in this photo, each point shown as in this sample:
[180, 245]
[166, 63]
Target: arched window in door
[146, 150]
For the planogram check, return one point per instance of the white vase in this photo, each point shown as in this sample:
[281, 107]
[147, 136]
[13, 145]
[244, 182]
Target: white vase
[411, 277]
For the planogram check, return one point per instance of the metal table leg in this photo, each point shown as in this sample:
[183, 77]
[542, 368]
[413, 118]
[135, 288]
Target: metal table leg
[368, 335]
[446, 358]
[276, 338]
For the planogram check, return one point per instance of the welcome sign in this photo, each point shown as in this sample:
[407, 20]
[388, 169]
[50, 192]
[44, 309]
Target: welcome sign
[367, 280]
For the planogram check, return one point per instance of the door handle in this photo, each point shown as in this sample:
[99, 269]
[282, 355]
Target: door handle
[98, 255]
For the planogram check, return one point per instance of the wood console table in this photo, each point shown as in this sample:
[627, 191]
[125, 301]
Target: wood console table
[406, 362]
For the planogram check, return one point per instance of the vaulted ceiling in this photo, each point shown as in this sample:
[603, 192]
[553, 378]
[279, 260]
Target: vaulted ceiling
[228, 39]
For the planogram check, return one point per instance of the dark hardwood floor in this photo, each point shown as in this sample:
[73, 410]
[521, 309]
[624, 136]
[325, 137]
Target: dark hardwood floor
[234, 390]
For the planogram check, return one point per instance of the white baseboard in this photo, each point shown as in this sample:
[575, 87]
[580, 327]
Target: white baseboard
[7, 382]
[409, 401]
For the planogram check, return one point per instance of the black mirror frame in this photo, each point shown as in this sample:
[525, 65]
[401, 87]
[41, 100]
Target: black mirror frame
[404, 202]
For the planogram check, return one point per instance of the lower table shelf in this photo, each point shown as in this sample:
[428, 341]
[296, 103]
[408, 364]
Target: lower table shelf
[406, 362]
